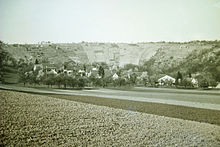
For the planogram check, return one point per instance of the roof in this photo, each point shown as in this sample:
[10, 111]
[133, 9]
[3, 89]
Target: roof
[166, 77]
[115, 76]
[81, 71]
[94, 68]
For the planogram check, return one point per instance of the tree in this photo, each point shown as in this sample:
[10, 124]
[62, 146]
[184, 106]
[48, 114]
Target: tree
[179, 78]
[24, 71]
[133, 78]
[59, 79]
[4, 57]
[153, 80]
[92, 79]
[190, 75]
[36, 61]
[101, 72]
[81, 82]
[65, 79]
[84, 67]
[104, 65]
[144, 78]
[119, 82]
[50, 79]
[24, 77]
[106, 80]
[65, 66]
[130, 66]
[33, 77]
[73, 81]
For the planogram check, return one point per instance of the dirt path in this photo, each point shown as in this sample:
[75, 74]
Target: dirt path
[32, 120]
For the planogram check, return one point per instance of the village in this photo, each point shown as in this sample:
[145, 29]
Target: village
[71, 74]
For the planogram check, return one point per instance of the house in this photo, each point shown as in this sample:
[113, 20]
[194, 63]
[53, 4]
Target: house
[115, 76]
[37, 66]
[82, 72]
[93, 72]
[52, 71]
[48, 67]
[88, 74]
[166, 79]
[68, 71]
[194, 82]
[40, 73]
[94, 69]
[218, 86]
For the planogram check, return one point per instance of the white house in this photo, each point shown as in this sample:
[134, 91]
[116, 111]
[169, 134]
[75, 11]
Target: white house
[218, 86]
[115, 76]
[166, 78]
[94, 69]
[194, 82]
[40, 66]
[40, 73]
[52, 71]
[88, 74]
[81, 72]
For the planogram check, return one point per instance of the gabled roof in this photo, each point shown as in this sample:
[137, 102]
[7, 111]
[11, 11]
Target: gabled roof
[166, 77]
[115, 76]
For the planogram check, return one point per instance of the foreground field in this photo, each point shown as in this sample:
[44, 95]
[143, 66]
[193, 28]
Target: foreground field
[40, 120]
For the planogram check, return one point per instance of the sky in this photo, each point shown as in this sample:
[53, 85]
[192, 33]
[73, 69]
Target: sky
[33, 21]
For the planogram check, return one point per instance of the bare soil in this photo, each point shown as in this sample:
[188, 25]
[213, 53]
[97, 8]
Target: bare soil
[34, 120]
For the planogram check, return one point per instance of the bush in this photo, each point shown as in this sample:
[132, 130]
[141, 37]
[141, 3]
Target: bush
[187, 83]
[205, 80]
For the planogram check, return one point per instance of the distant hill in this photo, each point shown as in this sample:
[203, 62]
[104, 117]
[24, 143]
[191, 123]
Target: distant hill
[171, 55]
[159, 55]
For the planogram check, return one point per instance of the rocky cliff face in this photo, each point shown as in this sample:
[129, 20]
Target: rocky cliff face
[119, 54]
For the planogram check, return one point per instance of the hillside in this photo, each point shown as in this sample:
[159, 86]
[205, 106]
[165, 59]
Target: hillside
[201, 62]
[111, 53]
[173, 55]
[54, 53]
[159, 54]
